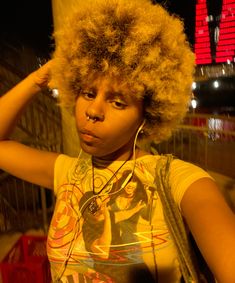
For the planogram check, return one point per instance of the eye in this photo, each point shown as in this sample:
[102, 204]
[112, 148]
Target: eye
[119, 104]
[89, 95]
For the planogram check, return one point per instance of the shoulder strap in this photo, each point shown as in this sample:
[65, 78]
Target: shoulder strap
[175, 222]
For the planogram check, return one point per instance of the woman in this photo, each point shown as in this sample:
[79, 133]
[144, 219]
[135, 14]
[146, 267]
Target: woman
[126, 69]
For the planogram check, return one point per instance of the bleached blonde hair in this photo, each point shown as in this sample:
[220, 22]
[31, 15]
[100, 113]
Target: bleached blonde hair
[139, 44]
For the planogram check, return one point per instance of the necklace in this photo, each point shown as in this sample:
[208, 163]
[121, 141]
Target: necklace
[93, 207]
[110, 179]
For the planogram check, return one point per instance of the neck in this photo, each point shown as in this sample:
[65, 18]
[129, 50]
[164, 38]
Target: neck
[122, 154]
[112, 157]
[114, 174]
[116, 157]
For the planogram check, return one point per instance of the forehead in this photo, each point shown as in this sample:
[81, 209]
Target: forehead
[106, 82]
[112, 86]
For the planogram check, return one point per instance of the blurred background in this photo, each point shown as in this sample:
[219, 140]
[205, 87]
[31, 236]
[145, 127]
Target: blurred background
[206, 137]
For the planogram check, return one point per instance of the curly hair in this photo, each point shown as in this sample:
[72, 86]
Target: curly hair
[135, 42]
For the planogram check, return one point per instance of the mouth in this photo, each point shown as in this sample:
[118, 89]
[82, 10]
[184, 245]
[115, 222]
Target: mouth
[88, 136]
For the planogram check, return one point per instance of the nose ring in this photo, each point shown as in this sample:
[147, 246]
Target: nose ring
[93, 119]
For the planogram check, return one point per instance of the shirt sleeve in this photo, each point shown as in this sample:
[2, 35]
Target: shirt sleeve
[63, 164]
[182, 175]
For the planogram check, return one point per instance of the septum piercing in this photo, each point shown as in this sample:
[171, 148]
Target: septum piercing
[91, 118]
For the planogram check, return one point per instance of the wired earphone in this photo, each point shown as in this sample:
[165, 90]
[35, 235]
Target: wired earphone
[134, 156]
[88, 202]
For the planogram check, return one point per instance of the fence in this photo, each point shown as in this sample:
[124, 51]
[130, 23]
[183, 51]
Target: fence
[23, 205]
[206, 140]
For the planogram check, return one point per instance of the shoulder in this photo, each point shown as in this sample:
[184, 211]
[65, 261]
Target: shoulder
[147, 167]
[182, 175]
[69, 169]
[148, 163]
[186, 170]
[64, 161]
[63, 165]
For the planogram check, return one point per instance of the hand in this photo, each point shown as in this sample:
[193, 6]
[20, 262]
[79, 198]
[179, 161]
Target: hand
[42, 76]
[139, 206]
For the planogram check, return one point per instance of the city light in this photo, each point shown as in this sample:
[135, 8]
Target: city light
[216, 84]
[194, 85]
[194, 102]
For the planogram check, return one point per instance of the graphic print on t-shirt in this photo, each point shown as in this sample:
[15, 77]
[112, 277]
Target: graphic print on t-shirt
[106, 235]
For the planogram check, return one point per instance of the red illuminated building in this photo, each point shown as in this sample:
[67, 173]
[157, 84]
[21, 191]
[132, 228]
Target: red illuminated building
[215, 35]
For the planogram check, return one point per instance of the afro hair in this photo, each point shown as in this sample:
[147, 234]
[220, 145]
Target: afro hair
[135, 42]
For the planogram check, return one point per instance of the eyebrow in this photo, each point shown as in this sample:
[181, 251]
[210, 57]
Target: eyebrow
[116, 94]
[110, 93]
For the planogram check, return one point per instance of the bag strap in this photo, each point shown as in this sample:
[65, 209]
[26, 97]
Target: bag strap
[175, 223]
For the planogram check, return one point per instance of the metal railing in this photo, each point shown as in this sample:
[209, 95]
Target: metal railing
[206, 140]
[25, 206]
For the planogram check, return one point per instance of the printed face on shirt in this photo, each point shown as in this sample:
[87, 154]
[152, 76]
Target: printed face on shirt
[117, 119]
[130, 189]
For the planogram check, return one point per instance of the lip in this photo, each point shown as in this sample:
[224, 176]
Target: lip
[88, 136]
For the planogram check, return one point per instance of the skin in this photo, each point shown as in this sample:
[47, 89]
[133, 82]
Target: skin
[19, 160]
[118, 118]
[212, 223]
[203, 207]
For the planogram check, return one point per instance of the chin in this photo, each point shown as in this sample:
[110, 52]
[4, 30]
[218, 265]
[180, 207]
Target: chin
[92, 150]
[100, 152]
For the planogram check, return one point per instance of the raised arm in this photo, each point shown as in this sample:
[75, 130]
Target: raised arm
[212, 224]
[14, 101]
[22, 161]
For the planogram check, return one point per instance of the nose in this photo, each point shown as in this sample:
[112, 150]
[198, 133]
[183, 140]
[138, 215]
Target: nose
[95, 110]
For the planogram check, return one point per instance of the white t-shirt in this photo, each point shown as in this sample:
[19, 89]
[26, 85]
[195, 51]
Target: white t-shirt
[127, 239]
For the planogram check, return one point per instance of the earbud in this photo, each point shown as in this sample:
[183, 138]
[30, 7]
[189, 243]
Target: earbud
[141, 126]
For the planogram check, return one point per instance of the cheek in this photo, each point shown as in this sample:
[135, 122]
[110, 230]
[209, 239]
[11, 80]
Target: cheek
[78, 119]
[119, 133]
[125, 124]
[80, 115]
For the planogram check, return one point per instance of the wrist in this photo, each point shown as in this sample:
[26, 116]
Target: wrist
[36, 82]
